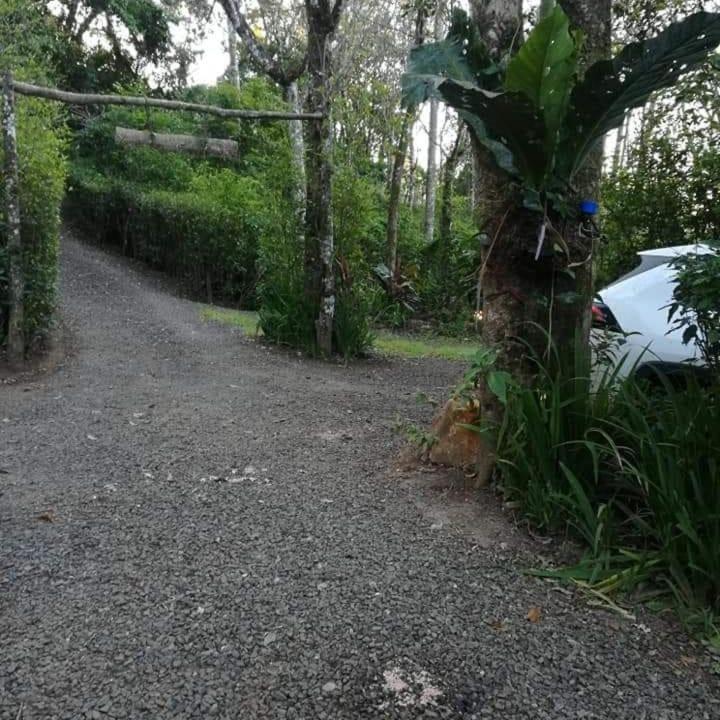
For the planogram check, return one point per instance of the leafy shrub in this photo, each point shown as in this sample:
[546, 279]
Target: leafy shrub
[631, 471]
[696, 304]
[287, 318]
[207, 235]
[201, 220]
[666, 196]
[41, 144]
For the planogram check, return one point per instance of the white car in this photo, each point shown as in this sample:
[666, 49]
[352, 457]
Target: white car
[632, 314]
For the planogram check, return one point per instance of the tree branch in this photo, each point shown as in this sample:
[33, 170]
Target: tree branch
[84, 25]
[259, 54]
[69, 20]
[336, 11]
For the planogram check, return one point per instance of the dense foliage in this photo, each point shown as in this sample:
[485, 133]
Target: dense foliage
[629, 470]
[41, 150]
[696, 299]
[538, 117]
[230, 231]
[202, 220]
[665, 195]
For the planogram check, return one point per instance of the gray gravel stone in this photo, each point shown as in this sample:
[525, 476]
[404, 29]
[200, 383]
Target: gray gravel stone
[159, 593]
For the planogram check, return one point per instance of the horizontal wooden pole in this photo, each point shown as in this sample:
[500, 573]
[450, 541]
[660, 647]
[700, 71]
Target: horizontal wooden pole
[73, 98]
[215, 147]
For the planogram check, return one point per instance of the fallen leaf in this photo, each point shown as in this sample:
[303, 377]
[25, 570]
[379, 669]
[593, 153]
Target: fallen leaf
[534, 614]
[46, 516]
[497, 625]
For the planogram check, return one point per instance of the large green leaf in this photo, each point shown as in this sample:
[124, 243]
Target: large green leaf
[543, 70]
[612, 87]
[462, 55]
[500, 152]
[503, 122]
[429, 63]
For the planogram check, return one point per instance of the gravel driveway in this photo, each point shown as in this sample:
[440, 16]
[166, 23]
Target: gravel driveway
[194, 526]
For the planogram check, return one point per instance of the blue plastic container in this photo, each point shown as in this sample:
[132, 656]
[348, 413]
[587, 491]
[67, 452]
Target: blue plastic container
[589, 207]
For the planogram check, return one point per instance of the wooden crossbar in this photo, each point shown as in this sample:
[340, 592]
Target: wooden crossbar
[74, 98]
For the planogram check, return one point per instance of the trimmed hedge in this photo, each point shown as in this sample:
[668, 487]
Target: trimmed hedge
[201, 221]
[25, 34]
[207, 236]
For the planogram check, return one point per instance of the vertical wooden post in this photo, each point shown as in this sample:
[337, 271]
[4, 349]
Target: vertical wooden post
[16, 280]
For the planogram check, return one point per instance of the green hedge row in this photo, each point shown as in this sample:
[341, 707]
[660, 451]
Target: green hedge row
[41, 139]
[42, 179]
[207, 235]
[201, 220]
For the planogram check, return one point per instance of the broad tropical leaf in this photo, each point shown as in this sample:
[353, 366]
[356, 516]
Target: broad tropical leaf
[543, 70]
[428, 64]
[504, 122]
[461, 56]
[500, 152]
[612, 87]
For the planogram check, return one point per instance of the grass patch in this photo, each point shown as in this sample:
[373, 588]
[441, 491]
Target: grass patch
[386, 343]
[408, 346]
[246, 320]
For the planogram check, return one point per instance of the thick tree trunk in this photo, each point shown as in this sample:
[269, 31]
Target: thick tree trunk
[432, 162]
[519, 288]
[500, 24]
[396, 177]
[505, 266]
[319, 239]
[16, 280]
[572, 320]
[233, 69]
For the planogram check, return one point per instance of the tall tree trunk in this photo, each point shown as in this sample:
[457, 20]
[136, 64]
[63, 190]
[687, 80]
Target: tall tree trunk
[618, 150]
[411, 189]
[16, 280]
[445, 229]
[573, 319]
[319, 240]
[519, 285]
[433, 136]
[233, 69]
[626, 139]
[396, 177]
[297, 143]
[398, 169]
[508, 278]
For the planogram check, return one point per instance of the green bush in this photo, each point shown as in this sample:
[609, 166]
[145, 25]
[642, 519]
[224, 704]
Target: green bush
[666, 196]
[207, 235]
[696, 299]
[287, 318]
[41, 144]
[630, 470]
[203, 221]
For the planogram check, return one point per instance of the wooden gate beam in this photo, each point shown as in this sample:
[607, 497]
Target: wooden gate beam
[73, 98]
